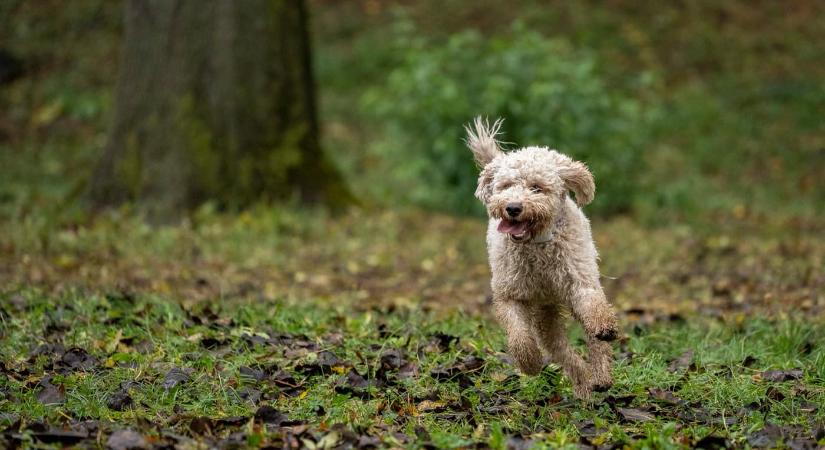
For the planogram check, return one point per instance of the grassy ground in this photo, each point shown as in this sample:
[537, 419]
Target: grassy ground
[371, 329]
[275, 373]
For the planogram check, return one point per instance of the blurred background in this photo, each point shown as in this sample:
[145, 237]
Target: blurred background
[702, 121]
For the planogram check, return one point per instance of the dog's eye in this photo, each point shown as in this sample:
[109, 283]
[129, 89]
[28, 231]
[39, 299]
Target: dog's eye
[536, 188]
[504, 186]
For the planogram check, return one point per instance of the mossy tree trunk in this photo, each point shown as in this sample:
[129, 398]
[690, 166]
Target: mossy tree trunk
[215, 101]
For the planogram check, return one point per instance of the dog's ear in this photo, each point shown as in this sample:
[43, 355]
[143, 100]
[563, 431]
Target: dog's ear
[577, 178]
[485, 183]
[481, 139]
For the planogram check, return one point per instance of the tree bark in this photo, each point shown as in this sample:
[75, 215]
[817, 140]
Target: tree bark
[215, 101]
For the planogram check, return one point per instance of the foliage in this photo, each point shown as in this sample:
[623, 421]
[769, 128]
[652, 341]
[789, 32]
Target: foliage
[734, 88]
[550, 94]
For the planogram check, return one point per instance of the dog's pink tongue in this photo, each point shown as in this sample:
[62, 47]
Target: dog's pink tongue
[512, 227]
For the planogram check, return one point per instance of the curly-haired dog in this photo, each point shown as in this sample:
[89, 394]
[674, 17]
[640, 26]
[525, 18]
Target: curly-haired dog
[542, 257]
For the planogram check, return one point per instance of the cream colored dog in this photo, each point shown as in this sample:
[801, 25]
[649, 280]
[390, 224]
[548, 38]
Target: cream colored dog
[542, 258]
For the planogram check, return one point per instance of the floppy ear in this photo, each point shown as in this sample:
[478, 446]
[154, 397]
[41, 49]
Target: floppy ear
[485, 183]
[481, 139]
[578, 179]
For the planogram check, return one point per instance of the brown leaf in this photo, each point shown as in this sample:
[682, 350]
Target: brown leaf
[774, 394]
[78, 359]
[54, 435]
[269, 415]
[782, 375]
[681, 363]
[712, 442]
[409, 370]
[635, 415]
[392, 359]
[431, 406]
[120, 399]
[49, 393]
[174, 377]
[665, 396]
[252, 373]
[126, 440]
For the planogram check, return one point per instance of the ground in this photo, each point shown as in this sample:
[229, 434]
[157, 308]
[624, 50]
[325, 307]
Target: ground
[371, 329]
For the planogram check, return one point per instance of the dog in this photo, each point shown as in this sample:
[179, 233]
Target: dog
[542, 258]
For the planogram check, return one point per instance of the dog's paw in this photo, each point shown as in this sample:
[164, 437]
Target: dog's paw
[602, 383]
[601, 380]
[582, 391]
[600, 322]
[607, 334]
[602, 387]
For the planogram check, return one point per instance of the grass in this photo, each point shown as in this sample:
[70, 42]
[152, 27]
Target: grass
[138, 340]
[247, 306]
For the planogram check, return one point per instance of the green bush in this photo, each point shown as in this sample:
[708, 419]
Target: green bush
[549, 93]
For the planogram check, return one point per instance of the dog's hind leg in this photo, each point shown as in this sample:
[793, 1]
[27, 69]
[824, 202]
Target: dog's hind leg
[550, 325]
[521, 344]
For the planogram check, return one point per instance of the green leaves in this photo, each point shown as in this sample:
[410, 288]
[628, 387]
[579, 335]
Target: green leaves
[548, 92]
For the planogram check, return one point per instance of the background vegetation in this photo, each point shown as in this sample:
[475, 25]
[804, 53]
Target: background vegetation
[685, 112]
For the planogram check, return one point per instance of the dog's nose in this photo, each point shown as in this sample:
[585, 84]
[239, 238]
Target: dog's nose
[513, 209]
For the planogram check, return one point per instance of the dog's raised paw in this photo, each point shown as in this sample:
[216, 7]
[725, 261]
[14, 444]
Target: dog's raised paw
[607, 334]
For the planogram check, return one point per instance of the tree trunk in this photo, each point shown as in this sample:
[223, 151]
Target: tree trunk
[214, 101]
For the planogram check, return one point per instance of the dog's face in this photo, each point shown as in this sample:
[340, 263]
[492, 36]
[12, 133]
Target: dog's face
[523, 195]
[525, 189]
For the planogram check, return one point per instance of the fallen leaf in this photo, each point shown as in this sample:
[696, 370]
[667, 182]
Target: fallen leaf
[250, 394]
[174, 377]
[431, 406]
[766, 437]
[324, 364]
[53, 435]
[392, 359]
[251, 373]
[49, 393]
[782, 375]
[665, 396]
[126, 440]
[712, 442]
[409, 370]
[588, 428]
[212, 343]
[682, 362]
[78, 359]
[519, 443]
[634, 415]
[749, 361]
[119, 400]
[353, 384]
[774, 394]
[269, 415]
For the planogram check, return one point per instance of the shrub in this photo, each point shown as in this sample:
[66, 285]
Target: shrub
[548, 92]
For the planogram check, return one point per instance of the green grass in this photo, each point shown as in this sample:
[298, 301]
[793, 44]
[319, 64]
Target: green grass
[483, 405]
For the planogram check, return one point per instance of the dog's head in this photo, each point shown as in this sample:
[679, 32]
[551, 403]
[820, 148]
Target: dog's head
[526, 188]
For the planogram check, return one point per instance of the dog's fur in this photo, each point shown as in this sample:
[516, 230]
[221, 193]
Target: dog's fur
[543, 262]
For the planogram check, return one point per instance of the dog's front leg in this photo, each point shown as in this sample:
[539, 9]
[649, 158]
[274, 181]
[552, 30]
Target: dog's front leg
[596, 315]
[521, 344]
[591, 309]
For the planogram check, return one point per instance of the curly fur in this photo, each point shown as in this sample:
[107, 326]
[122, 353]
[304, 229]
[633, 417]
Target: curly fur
[537, 283]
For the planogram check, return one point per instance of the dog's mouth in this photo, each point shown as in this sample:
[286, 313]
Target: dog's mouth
[517, 230]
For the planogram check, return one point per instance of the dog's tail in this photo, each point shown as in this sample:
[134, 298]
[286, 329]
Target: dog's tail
[481, 139]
